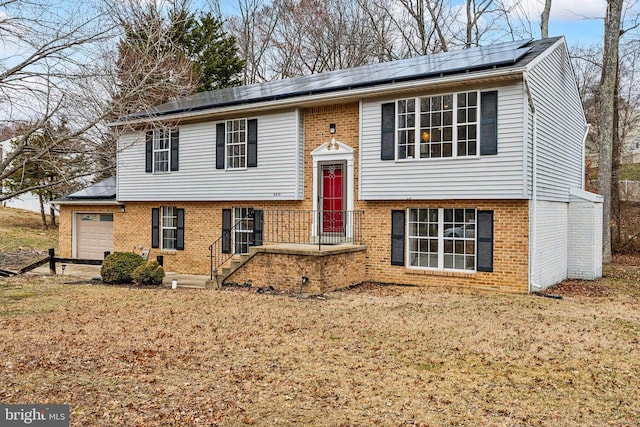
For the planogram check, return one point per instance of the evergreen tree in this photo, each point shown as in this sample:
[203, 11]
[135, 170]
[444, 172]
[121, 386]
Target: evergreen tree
[45, 165]
[213, 52]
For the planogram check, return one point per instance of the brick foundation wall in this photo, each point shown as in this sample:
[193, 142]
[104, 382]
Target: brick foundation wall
[510, 247]
[284, 271]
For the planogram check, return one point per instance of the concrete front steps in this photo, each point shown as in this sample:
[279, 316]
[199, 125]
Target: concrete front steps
[236, 262]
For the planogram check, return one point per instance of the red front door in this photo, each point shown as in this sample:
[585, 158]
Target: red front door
[333, 198]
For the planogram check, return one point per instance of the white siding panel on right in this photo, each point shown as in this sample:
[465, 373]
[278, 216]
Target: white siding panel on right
[560, 126]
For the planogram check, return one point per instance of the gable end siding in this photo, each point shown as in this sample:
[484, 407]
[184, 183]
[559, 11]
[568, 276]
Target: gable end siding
[560, 126]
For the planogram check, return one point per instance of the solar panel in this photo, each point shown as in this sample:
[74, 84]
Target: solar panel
[368, 75]
[103, 189]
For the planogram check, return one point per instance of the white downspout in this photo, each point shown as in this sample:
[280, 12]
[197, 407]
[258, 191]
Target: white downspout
[584, 150]
[534, 185]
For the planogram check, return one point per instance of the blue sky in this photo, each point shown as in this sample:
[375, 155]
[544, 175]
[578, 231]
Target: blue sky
[581, 21]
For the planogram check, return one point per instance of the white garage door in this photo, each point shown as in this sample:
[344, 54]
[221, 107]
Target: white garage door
[94, 235]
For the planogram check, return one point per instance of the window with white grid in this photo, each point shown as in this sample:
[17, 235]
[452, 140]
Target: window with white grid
[436, 126]
[161, 147]
[236, 143]
[169, 227]
[467, 119]
[439, 126]
[442, 239]
[406, 128]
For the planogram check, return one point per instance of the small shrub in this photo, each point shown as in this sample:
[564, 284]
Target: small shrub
[117, 267]
[149, 273]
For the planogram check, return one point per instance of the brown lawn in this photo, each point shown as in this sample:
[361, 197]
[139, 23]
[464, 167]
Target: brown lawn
[21, 229]
[372, 355]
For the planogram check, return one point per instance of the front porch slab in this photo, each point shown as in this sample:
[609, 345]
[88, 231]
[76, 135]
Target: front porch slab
[283, 266]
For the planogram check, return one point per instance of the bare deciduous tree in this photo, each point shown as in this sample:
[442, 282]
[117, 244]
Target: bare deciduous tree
[606, 101]
[49, 54]
[544, 19]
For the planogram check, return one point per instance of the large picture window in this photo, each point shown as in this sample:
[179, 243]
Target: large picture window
[437, 126]
[442, 238]
[236, 143]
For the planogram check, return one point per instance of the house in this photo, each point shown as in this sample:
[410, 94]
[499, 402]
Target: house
[28, 201]
[460, 168]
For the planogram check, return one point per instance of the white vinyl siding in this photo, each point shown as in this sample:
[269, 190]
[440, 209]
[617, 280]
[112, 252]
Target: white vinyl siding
[560, 126]
[276, 178]
[551, 244]
[488, 177]
[585, 239]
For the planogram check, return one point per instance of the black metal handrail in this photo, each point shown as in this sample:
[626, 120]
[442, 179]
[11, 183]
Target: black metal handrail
[217, 258]
[296, 226]
[328, 227]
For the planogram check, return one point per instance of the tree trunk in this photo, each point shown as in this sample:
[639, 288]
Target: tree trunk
[469, 27]
[606, 101]
[615, 169]
[52, 217]
[544, 19]
[43, 216]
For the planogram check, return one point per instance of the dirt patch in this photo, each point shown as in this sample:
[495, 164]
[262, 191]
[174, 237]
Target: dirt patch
[15, 260]
[572, 288]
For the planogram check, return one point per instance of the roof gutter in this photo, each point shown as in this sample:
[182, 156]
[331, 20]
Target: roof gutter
[339, 95]
[86, 202]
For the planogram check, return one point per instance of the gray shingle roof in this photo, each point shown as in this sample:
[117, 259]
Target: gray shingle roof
[103, 190]
[506, 55]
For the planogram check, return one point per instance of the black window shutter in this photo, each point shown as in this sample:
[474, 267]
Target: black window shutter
[489, 123]
[226, 231]
[175, 138]
[148, 160]
[258, 227]
[180, 229]
[388, 132]
[155, 227]
[220, 145]
[397, 237]
[252, 143]
[485, 241]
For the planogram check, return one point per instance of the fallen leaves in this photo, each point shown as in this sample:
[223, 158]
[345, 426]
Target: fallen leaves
[373, 355]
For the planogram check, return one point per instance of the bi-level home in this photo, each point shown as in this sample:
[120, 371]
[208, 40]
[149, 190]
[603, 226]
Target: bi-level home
[461, 168]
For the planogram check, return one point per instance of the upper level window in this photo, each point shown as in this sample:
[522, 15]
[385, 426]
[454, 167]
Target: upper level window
[236, 143]
[161, 148]
[437, 126]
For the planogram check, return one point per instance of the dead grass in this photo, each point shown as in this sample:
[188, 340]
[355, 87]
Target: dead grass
[21, 229]
[369, 356]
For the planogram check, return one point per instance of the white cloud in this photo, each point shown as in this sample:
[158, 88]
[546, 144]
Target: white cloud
[563, 10]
